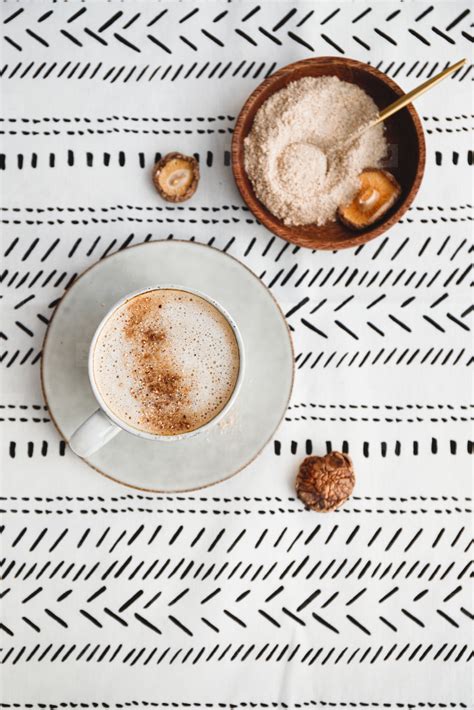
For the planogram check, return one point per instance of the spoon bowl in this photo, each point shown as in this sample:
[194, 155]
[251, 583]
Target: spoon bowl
[403, 132]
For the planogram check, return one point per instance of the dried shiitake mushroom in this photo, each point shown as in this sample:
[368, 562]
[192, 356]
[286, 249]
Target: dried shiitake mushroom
[176, 177]
[378, 192]
[324, 483]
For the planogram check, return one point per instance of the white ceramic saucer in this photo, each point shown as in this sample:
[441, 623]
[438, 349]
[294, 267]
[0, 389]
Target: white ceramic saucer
[263, 398]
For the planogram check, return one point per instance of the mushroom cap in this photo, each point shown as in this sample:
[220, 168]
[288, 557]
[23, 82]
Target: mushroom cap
[378, 192]
[176, 176]
[324, 483]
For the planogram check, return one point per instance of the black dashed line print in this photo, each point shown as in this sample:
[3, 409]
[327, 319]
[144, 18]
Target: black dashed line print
[252, 653]
[243, 69]
[253, 703]
[246, 512]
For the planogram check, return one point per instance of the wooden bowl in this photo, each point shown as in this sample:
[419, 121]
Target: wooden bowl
[403, 131]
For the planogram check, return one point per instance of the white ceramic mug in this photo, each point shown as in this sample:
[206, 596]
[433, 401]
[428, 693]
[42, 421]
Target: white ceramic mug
[103, 424]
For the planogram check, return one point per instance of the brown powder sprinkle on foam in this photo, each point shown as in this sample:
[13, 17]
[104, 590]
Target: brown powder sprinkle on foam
[166, 362]
[159, 387]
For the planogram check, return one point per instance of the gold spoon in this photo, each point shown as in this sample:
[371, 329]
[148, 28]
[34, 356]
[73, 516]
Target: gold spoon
[400, 103]
[414, 93]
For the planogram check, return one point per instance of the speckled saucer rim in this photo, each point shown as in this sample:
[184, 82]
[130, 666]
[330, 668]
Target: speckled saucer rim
[178, 490]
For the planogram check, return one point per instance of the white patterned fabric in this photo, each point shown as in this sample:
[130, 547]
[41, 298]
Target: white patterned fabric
[236, 596]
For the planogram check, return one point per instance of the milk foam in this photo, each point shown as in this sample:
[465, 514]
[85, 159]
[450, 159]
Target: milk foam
[166, 362]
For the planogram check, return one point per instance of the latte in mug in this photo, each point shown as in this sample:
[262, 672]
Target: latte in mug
[166, 362]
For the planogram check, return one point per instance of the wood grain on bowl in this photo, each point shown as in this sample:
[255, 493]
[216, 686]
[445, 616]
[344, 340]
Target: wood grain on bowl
[403, 132]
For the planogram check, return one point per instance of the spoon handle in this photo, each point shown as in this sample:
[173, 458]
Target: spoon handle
[408, 98]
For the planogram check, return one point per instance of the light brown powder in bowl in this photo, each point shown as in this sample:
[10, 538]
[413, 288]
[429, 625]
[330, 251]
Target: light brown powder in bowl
[286, 151]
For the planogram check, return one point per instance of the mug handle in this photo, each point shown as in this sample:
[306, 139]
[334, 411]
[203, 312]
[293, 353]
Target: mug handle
[92, 434]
